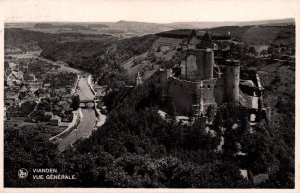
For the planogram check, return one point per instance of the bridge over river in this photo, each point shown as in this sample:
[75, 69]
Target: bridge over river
[89, 116]
[88, 103]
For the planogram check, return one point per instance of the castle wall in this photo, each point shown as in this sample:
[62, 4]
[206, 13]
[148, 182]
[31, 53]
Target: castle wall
[190, 96]
[250, 101]
[164, 74]
[208, 93]
[253, 102]
[183, 95]
[219, 91]
[191, 68]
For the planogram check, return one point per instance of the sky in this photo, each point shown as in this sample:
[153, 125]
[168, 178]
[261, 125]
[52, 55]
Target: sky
[158, 11]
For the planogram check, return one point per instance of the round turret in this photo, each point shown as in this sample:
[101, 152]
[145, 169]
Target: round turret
[232, 80]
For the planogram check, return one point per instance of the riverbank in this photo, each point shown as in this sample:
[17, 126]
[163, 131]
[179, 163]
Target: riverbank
[77, 116]
[101, 119]
[91, 85]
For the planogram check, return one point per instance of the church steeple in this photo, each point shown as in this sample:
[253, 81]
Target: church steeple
[139, 79]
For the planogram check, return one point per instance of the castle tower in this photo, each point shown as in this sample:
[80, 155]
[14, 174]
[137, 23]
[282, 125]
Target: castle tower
[139, 79]
[232, 80]
[199, 59]
[205, 50]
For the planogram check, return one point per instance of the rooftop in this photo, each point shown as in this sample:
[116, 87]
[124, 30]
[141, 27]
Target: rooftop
[55, 117]
[206, 42]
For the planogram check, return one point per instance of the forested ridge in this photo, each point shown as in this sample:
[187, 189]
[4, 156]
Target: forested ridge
[93, 56]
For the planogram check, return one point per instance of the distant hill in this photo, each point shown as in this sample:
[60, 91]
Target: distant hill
[202, 25]
[262, 34]
[99, 25]
[18, 38]
[183, 33]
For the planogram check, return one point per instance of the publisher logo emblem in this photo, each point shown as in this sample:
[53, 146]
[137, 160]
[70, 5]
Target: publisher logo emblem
[22, 173]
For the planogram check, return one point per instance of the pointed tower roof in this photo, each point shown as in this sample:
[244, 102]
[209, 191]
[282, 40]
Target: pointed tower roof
[206, 42]
[192, 37]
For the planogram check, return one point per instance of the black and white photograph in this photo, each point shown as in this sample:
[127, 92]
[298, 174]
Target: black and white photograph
[193, 101]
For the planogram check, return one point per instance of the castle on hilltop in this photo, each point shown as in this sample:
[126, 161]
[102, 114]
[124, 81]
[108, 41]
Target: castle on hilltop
[202, 83]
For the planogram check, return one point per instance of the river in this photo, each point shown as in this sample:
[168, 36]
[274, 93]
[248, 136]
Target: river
[88, 117]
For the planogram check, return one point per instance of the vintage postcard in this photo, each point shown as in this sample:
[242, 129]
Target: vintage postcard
[159, 95]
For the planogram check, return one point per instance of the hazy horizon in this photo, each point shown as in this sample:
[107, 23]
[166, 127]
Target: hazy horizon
[148, 11]
[140, 21]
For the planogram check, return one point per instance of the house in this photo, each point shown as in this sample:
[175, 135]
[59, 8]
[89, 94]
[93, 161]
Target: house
[48, 114]
[12, 95]
[44, 95]
[55, 121]
[31, 99]
[9, 102]
[23, 88]
[15, 88]
[37, 84]
[47, 85]
[65, 106]
[60, 91]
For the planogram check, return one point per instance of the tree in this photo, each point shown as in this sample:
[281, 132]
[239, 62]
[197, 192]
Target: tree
[252, 50]
[264, 52]
[259, 149]
[210, 113]
[27, 148]
[75, 102]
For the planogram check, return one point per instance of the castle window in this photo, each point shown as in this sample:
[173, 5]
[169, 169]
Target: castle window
[208, 86]
[231, 70]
